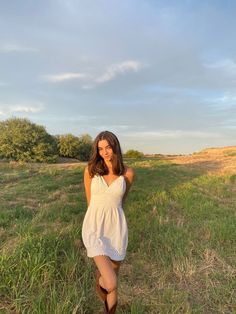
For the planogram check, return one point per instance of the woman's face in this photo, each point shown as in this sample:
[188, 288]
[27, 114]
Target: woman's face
[105, 150]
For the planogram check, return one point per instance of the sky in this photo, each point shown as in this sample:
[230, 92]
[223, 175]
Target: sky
[161, 75]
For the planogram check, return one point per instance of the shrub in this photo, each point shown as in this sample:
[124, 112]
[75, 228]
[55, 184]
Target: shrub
[131, 153]
[85, 147]
[75, 147]
[22, 140]
[68, 145]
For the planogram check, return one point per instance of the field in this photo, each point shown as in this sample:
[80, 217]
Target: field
[181, 258]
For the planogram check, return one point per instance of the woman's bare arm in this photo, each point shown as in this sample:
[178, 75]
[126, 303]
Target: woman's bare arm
[87, 184]
[129, 178]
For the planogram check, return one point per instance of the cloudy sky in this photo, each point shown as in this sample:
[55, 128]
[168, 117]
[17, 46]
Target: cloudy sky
[161, 75]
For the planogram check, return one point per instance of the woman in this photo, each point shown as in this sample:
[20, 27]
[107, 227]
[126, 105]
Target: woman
[105, 235]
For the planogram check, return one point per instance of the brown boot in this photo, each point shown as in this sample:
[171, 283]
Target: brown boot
[102, 293]
[112, 310]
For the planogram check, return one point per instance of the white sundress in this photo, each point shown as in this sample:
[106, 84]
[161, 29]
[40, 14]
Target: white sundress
[104, 229]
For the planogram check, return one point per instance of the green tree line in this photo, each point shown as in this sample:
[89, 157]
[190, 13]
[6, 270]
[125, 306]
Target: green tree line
[22, 140]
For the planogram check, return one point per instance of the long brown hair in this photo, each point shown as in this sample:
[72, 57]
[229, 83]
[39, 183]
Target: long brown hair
[97, 165]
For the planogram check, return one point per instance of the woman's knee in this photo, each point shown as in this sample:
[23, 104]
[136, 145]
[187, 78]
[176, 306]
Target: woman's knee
[111, 283]
[107, 271]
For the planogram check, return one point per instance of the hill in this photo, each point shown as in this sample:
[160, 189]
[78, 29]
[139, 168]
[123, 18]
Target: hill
[211, 159]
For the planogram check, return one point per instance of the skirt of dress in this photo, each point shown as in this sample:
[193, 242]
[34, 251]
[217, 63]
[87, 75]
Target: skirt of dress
[105, 232]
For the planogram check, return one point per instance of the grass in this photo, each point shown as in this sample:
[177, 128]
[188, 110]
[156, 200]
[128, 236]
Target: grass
[181, 256]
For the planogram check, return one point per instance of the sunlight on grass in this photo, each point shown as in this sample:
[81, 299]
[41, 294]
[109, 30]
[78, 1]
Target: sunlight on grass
[181, 253]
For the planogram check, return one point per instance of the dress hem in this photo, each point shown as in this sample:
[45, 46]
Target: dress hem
[92, 252]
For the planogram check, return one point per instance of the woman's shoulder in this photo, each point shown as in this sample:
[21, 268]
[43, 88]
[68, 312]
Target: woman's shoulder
[87, 173]
[86, 170]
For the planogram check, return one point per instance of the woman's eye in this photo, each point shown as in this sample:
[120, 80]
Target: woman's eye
[100, 149]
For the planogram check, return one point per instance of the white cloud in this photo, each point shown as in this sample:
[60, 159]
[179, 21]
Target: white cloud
[119, 68]
[65, 77]
[172, 134]
[26, 108]
[8, 48]
[91, 80]
[6, 109]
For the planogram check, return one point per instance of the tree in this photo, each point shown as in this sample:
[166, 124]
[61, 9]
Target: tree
[68, 145]
[23, 140]
[85, 147]
[75, 147]
[131, 153]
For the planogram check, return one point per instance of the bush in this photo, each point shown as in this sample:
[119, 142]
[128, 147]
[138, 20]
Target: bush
[75, 147]
[68, 145]
[85, 147]
[22, 140]
[131, 153]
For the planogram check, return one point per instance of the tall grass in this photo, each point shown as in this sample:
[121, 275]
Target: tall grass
[181, 253]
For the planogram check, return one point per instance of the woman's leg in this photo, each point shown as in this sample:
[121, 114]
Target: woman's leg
[109, 271]
[116, 267]
[111, 297]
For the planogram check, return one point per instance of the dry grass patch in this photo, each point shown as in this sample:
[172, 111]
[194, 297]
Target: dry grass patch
[212, 160]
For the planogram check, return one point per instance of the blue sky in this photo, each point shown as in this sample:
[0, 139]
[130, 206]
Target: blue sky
[161, 75]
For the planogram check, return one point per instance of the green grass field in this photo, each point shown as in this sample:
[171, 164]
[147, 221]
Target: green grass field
[181, 255]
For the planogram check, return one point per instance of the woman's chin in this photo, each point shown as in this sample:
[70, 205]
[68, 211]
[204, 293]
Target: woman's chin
[107, 158]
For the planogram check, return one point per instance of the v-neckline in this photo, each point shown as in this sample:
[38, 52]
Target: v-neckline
[111, 182]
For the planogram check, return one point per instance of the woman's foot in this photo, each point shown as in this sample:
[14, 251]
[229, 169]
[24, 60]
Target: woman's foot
[112, 310]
